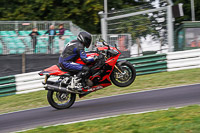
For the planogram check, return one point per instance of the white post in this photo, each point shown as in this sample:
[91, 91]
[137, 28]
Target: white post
[103, 29]
[104, 33]
[103, 26]
[105, 8]
[16, 26]
[192, 10]
[34, 24]
[170, 28]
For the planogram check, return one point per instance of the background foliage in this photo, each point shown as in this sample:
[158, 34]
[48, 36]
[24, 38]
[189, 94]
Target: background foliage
[187, 10]
[84, 13]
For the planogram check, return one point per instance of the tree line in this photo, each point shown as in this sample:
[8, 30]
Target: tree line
[84, 13]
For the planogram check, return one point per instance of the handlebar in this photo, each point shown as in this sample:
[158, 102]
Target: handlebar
[106, 44]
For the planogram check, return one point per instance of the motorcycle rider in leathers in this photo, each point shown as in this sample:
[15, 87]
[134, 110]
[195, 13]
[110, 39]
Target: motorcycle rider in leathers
[72, 51]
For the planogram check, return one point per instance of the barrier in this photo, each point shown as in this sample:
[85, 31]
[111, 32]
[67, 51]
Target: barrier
[30, 82]
[183, 60]
[21, 83]
[6, 90]
[149, 64]
[183, 54]
[7, 79]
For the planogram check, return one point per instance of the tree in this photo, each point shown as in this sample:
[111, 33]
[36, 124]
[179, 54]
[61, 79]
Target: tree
[140, 25]
[84, 13]
[187, 11]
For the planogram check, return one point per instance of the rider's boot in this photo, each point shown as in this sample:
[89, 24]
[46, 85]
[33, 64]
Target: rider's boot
[83, 77]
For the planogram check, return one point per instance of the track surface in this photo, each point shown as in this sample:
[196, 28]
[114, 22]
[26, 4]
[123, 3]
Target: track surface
[128, 103]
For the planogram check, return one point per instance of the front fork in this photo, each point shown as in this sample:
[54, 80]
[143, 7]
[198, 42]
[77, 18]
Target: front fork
[120, 73]
[118, 69]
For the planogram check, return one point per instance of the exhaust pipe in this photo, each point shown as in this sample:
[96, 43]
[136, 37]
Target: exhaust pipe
[59, 89]
[49, 86]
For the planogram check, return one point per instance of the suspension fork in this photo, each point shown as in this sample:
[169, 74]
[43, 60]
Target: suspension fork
[118, 69]
[118, 66]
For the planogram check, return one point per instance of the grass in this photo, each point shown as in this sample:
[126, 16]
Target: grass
[181, 120]
[145, 82]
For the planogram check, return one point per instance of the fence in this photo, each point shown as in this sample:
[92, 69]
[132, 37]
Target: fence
[126, 45]
[41, 25]
[13, 44]
[30, 82]
[123, 42]
[15, 39]
[24, 44]
[148, 24]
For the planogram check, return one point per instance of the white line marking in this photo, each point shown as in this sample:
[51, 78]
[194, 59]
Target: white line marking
[92, 119]
[99, 118]
[108, 97]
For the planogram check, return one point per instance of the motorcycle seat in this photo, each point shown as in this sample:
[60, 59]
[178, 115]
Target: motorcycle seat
[66, 70]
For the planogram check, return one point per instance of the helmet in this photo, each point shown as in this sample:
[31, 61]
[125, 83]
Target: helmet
[85, 38]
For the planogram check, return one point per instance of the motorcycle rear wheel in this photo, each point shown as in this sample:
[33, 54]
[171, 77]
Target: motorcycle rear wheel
[125, 79]
[60, 100]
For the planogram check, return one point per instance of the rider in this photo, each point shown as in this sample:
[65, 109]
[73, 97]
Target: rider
[72, 51]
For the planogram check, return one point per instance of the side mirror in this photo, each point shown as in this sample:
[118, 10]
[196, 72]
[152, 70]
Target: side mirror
[115, 45]
[101, 40]
[104, 44]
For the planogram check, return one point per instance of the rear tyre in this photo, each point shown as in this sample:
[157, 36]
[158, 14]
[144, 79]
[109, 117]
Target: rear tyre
[125, 78]
[60, 100]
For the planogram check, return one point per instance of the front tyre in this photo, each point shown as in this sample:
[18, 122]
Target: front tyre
[60, 100]
[125, 78]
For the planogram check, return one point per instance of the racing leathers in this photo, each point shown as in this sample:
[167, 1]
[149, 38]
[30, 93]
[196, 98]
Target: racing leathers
[72, 51]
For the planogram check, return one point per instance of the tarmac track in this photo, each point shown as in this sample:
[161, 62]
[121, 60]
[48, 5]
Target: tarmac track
[108, 106]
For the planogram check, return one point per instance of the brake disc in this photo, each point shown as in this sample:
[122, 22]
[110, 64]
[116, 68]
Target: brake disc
[123, 76]
[62, 96]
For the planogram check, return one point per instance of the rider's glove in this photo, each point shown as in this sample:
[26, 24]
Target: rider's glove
[98, 57]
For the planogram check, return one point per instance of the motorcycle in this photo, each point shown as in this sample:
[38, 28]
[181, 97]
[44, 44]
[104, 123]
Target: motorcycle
[61, 94]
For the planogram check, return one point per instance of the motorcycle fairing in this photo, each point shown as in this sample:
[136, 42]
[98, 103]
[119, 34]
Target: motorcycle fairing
[97, 87]
[104, 80]
[53, 70]
[104, 77]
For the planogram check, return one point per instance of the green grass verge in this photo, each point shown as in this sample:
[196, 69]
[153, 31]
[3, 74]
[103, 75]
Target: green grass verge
[145, 82]
[182, 120]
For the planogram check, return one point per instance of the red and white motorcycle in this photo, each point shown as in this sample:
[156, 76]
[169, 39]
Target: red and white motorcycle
[61, 94]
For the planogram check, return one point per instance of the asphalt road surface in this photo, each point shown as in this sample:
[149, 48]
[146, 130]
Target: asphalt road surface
[114, 105]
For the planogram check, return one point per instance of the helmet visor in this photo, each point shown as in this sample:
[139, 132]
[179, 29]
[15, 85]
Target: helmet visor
[87, 42]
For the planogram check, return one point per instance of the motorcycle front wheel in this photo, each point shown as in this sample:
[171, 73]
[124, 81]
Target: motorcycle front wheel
[60, 100]
[125, 78]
